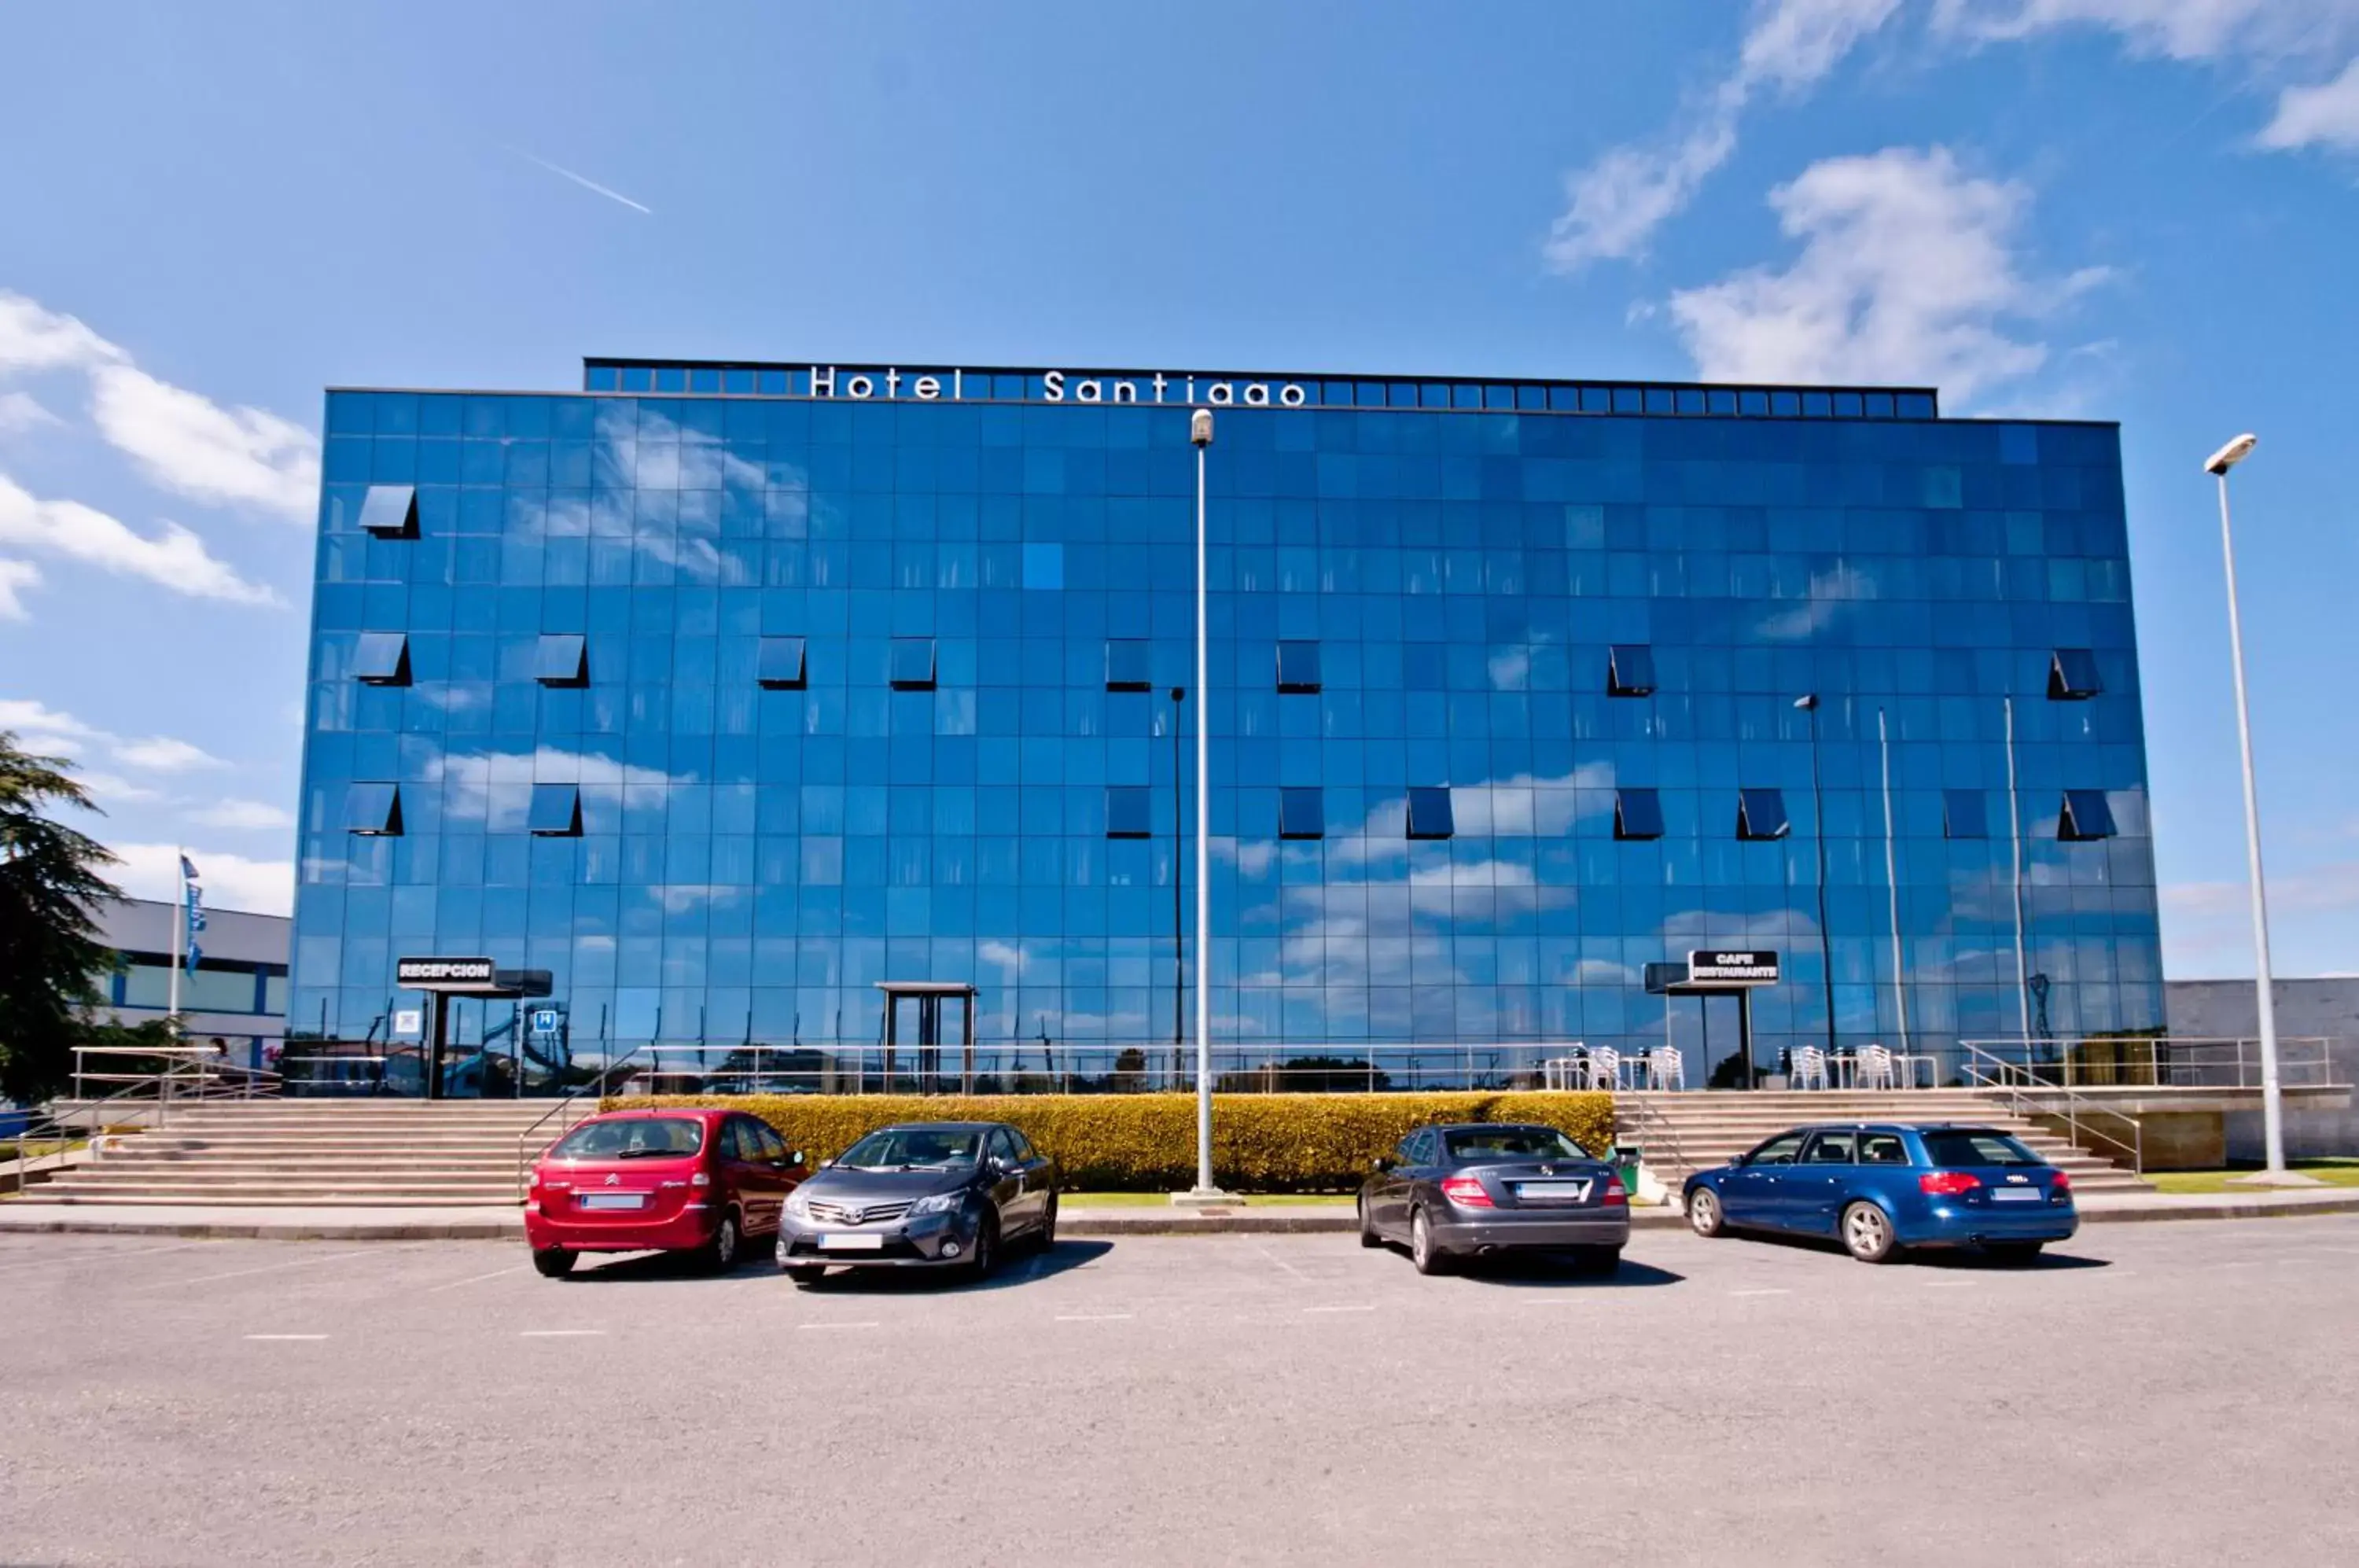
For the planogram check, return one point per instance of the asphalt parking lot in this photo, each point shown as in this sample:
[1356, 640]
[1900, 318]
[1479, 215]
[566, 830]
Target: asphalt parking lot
[2151, 1394]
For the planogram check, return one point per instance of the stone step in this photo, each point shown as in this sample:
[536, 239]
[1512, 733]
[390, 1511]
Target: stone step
[503, 1198]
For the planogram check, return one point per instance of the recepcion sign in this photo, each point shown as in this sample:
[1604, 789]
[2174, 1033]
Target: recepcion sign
[443, 973]
[1725, 968]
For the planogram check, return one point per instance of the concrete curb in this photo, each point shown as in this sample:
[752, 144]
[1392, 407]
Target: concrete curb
[20, 1217]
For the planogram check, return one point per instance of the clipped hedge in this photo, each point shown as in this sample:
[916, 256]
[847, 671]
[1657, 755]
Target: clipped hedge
[1261, 1143]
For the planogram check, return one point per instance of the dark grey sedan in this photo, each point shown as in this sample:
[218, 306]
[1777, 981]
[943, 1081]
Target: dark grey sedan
[1490, 1187]
[948, 1196]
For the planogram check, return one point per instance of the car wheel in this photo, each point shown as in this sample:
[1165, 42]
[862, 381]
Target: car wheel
[2015, 1251]
[720, 1254]
[986, 1249]
[1597, 1260]
[1368, 1237]
[804, 1275]
[1867, 1234]
[1704, 1216]
[1045, 1238]
[1429, 1258]
[553, 1262]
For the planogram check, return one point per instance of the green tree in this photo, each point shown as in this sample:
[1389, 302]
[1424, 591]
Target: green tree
[50, 958]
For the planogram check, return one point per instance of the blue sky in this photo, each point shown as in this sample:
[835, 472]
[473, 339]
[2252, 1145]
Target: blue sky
[2133, 210]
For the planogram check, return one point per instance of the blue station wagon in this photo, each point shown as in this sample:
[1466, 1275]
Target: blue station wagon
[1883, 1187]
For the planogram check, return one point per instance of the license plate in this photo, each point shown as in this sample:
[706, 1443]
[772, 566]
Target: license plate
[852, 1243]
[2017, 1195]
[1553, 1191]
[614, 1200]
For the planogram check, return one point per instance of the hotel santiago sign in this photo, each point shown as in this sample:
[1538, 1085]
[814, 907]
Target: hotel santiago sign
[1177, 387]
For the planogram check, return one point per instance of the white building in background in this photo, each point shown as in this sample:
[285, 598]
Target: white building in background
[238, 994]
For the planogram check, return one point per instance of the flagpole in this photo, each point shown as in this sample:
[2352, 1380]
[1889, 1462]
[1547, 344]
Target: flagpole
[179, 917]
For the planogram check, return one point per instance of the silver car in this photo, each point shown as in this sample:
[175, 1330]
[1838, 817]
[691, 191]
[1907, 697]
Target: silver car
[944, 1196]
[1481, 1188]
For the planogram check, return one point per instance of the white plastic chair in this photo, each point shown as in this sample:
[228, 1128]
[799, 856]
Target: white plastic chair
[1810, 1068]
[1605, 1069]
[1876, 1069]
[1666, 1068]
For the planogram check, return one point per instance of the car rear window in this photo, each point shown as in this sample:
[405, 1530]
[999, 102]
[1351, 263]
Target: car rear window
[1512, 1143]
[640, 1138]
[1971, 1146]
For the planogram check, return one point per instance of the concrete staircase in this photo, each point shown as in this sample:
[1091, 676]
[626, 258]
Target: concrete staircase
[322, 1153]
[1682, 1133]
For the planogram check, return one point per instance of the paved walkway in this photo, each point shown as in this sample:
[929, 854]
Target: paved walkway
[372, 1224]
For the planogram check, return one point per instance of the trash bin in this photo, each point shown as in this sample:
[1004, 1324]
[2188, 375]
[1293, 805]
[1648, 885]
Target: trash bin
[1625, 1158]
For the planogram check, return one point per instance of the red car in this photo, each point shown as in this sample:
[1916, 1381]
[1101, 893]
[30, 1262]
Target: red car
[699, 1182]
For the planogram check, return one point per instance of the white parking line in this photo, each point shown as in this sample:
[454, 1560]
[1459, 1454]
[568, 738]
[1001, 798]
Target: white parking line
[266, 1268]
[1281, 1262]
[1086, 1317]
[1947, 1284]
[869, 1324]
[303, 1337]
[1775, 1293]
[1369, 1307]
[94, 1252]
[558, 1333]
[473, 1279]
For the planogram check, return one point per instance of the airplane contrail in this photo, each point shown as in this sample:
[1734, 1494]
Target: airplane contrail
[586, 183]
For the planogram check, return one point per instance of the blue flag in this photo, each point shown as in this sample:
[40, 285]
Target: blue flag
[195, 953]
[188, 871]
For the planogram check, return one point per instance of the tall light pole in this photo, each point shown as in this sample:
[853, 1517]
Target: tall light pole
[1892, 882]
[1179, 916]
[2272, 1110]
[2014, 870]
[1809, 702]
[1200, 433]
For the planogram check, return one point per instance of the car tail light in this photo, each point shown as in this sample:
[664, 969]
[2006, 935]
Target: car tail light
[2062, 1183]
[1948, 1183]
[1616, 1194]
[1466, 1191]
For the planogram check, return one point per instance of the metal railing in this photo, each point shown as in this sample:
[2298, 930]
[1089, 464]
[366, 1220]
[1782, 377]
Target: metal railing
[190, 1075]
[2036, 1099]
[2158, 1061]
[1035, 1067]
[565, 1113]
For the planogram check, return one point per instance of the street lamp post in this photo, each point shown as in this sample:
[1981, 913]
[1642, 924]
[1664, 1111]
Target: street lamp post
[2272, 1110]
[1200, 433]
[1809, 702]
[1178, 897]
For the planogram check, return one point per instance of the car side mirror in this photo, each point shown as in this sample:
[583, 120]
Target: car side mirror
[1382, 1162]
[794, 1157]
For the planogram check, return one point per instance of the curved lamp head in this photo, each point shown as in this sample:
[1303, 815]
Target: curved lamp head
[1199, 427]
[2228, 456]
[1808, 700]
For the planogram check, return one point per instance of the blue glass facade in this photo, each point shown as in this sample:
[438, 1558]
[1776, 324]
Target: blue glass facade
[725, 692]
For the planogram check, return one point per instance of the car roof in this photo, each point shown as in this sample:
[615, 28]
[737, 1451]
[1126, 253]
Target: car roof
[939, 1126]
[1492, 1126]
[645, 1112]
[1892, 1127]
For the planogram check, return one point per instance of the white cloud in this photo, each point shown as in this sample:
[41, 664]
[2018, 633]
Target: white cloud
[162, 753]
[1905, 275]
[15, 576]
[1619, 201]
[21, 412]
[2181, 30]
[1830, 590]
[174, 558]
[2323, 116]
[189, 443]
[34, 339]
[44, 729]
[231, 881]
[257, 815]
[109, 788]
[182, 441]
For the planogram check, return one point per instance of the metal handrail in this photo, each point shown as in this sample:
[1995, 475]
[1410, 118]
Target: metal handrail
[2032, 1098]
[526, 1146]
[150, 1091]
[2161, 1061]
[1650, 1116]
